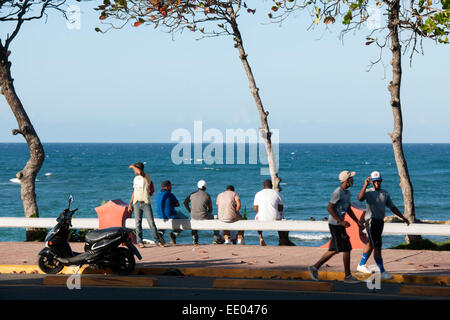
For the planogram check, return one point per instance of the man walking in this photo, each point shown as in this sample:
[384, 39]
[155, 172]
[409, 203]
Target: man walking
[165, 206]
[140, 201]
[338, 206]
[377, 200]
[268, 205]
[228, 205]
[201, 209]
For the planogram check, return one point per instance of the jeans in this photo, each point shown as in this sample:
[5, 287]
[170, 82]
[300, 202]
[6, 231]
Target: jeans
[139, 208]
[178, 215]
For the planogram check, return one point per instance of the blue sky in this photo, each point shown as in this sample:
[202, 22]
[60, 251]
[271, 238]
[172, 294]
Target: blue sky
[139, 84]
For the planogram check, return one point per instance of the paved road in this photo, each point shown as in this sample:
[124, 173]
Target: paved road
[30, 287]
[178, 297]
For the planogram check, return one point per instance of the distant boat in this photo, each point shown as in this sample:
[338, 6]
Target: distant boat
[48, 174]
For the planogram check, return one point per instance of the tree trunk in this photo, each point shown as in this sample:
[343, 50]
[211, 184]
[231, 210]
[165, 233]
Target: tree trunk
[28, 174]
[264, 130]
[396, 136]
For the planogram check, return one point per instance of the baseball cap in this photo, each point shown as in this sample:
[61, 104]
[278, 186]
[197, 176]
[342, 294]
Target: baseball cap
[166, 183]
[345, 175]
[139, 165]
[201, 184]
[375, 176]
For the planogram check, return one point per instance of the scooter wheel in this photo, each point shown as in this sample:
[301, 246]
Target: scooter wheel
[49, 265]
[125, 261]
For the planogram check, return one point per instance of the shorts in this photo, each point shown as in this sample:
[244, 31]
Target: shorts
[340, 241]
[374, 229]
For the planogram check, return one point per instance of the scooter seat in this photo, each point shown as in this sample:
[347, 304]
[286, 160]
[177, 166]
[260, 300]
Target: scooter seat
[97, 235]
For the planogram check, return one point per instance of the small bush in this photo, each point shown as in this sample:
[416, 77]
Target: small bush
[425, 244]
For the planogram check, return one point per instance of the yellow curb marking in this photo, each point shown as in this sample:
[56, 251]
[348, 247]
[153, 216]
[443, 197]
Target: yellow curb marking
[236, 273]
[273, 285]
[109, 281]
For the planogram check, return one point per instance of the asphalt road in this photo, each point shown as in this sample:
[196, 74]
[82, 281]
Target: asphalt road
[30, 287]
[178, 297]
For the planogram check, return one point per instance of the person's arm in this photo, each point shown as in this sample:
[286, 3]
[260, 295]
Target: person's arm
[209, 205]
[353, 216]
[400, 215]
[186, 204]
[280, 210]
[130, 206]
[334, 214]
[238, 203]
[362, 193]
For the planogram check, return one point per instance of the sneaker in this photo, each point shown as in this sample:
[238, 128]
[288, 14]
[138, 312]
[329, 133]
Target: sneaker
[351, 279]
[218, 241]
[386, 276]
[363, 269]
[173, 238]
[314, 273]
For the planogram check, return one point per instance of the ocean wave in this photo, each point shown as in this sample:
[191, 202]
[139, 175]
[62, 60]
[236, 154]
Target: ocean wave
[310, 237]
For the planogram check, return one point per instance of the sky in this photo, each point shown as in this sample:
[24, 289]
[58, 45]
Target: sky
[141, 84]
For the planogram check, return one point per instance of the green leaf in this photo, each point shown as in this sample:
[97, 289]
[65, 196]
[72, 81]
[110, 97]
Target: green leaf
[348, 17]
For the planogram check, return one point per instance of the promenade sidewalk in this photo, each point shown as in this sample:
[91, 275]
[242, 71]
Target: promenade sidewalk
[250, 261]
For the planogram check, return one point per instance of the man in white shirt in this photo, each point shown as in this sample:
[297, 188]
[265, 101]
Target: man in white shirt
[268, 205]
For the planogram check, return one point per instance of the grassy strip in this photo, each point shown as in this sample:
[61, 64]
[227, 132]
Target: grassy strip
[425, 244]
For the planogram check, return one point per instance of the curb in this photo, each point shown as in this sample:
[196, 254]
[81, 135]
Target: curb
[237, 273]
[100, 281]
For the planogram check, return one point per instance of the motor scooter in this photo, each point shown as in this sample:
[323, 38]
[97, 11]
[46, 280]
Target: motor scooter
[105, 248]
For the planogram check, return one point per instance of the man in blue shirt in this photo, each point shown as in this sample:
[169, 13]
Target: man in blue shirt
[165, 207]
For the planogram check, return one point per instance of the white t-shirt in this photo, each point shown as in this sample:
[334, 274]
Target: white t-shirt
[267, 201]
[141, 186]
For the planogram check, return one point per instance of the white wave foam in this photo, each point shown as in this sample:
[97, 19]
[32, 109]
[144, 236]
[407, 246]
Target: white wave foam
[15, 180]
[48, 174]
[310, 237]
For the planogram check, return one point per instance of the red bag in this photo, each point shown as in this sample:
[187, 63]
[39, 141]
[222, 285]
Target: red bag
[152, 188]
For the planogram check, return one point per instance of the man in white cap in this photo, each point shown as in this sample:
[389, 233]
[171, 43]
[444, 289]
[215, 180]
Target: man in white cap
[201, 209]
[339, 205]
[377, 200]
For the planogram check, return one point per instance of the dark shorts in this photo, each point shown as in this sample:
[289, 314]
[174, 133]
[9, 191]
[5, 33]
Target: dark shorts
[340, 241]
[374, 229]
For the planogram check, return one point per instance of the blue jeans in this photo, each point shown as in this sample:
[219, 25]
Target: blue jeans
[178, 215]
[139, 208]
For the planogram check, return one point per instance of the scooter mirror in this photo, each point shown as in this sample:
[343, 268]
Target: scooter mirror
[70, 200]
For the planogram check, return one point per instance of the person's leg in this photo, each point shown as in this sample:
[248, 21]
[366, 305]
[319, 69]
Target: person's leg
[226, 236]
[138, 221]
[366, 254]
[346, 259]
[240, 237]
[175, 233]
[147, 208]
[326, 256]
[378, 258]
[194, 236]
[261, 239]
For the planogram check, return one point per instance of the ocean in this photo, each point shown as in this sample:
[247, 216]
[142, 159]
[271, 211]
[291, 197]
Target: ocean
[96, 172]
